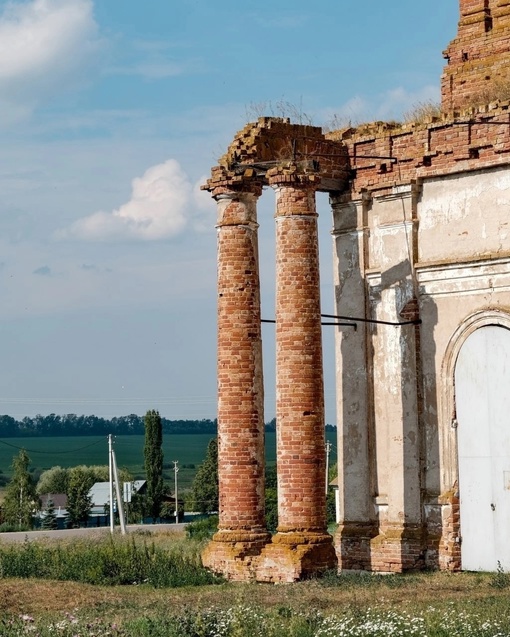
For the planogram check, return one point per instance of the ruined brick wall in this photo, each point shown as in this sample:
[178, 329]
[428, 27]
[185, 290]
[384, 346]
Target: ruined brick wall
[477, 139]
[477, 59]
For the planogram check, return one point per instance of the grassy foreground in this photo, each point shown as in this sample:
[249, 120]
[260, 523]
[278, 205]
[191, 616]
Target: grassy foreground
[422, 605]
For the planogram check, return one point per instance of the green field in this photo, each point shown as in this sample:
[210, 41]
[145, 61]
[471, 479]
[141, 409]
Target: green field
[187, 449]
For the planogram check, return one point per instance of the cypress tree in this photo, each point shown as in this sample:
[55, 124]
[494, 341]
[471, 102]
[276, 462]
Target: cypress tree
[153, 456]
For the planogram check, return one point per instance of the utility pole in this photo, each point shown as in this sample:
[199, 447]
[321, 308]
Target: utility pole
[119, 495]
[128, 493]
[110, 475]
[328, 449]
[176, 471]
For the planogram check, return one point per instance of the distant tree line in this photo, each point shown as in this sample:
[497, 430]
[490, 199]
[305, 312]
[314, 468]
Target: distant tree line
[271, 426]
[73, 425]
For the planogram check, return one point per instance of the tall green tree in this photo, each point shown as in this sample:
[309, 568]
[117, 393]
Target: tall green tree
[153, 457]
[205, 492]
[21, 500]
[79, 503]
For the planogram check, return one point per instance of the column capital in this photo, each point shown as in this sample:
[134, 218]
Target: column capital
[236, 206]
[236, 191]
[223, 182]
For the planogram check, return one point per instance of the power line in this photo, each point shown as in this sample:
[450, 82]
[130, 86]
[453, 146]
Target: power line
[322, 323]
[8, 444]
[366, 320]
[356, 320]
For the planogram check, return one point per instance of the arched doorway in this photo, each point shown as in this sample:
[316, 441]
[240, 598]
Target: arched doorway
[482, 375]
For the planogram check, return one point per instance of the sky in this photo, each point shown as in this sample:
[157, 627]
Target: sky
[112, 113]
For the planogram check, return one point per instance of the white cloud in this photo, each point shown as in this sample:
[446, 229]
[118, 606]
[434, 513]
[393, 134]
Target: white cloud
[396, 102]
[163, 201]
[204, 208]
[42, 44]
[348, 114]
[156, 69]
[392, 104]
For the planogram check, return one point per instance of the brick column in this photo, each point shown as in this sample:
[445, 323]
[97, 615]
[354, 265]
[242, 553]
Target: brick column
[302, 546]
[241, 533]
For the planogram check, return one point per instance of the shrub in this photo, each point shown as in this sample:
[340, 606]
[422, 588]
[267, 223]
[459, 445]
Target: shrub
[8, 527]
[106, 562]
[202, 529]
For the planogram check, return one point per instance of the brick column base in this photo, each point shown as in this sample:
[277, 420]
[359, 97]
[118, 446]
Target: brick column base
[353, 546]
[397, 549]
[234, 553]
[449, 544]
[295, 556]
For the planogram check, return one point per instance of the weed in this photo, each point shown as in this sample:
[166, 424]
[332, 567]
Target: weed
[202, 529]
[500, 579]
[253, 621]
[497, 90]
[112, 561]
[423, 112]
[281, 108]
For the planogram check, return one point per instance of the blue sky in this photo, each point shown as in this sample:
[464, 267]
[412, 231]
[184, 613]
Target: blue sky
[111, 114]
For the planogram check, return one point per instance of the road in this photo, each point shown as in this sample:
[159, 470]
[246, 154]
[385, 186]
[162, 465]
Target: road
[21, 536]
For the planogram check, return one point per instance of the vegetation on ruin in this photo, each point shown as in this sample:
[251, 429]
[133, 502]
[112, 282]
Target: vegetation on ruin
[423, 112]
[495, 91]
[280, 108]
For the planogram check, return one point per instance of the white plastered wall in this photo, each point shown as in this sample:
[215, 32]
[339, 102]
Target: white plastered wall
[462, 279]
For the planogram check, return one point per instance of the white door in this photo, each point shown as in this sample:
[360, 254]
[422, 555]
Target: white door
[482, 383]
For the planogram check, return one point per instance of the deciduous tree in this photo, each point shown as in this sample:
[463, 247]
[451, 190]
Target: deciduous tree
[54, 480]
[21, 500]
[205, 485]
[79, 503]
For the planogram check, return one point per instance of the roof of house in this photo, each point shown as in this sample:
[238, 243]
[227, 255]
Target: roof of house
[58, 499]
[100, 491]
